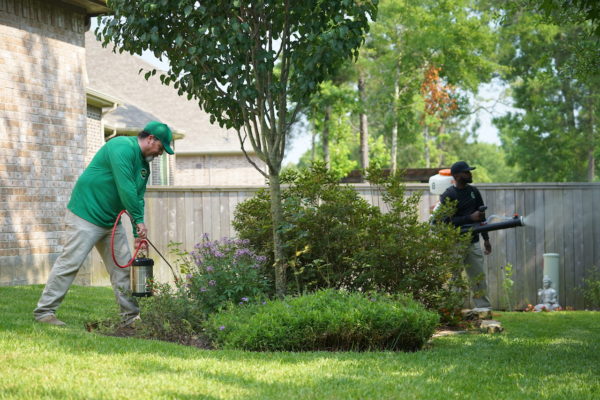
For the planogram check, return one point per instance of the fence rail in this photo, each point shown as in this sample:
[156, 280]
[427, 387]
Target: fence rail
[561, 218]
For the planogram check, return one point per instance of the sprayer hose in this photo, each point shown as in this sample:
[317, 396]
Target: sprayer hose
[112, 242]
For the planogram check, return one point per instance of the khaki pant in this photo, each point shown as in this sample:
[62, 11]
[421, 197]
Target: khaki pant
[82, 236]
[476, 274]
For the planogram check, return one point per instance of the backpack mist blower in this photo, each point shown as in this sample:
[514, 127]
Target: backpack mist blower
[141, 268]
[489, 224]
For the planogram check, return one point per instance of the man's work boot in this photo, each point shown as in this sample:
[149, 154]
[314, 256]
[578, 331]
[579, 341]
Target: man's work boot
[51, 320]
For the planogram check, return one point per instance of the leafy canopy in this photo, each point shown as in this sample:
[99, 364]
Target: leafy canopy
[233, 56]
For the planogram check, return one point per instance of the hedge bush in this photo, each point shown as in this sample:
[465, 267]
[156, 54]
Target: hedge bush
[334, 239]
[325, 320]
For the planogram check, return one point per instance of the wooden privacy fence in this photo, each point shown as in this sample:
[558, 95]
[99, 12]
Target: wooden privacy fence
[561, 218]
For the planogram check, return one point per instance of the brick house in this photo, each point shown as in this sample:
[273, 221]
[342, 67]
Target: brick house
[44, 136]
[55, 112]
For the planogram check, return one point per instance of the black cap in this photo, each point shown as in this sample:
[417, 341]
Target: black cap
[460, 166]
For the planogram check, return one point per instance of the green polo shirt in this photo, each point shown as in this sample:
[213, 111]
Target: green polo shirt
[115, 180]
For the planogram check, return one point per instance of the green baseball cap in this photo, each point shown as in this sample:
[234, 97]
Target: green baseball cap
[162, 132]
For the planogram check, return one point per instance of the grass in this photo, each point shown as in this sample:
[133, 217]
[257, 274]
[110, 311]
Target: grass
[540, 356]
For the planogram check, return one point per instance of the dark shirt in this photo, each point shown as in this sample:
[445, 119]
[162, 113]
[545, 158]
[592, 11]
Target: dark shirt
[469, 200]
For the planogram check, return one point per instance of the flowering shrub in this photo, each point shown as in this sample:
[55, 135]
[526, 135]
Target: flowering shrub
[218, 273]
[214, 275]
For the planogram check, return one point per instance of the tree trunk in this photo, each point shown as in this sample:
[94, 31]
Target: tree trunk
[592, 133]
[591, 167]
[277, 215]
[364, 125]
[313, 147]
[427, 155]
[441, 144]
[394, 155]
[326, 155]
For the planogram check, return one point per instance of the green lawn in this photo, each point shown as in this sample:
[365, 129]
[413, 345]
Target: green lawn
[540, 356]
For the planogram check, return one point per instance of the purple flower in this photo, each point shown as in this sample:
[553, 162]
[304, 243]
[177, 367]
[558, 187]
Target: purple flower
[209, 269]
[203, 289]
[222, 327]
[212, 282]
[244, 299]
[218, 254]
[188, 276]
[261, 259]
[242, 252]
[264, 302]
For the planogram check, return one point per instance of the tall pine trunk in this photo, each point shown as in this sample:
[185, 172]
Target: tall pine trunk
[427, 153]
[364, 124]
[394, 155]
[592, 139]
[326, 155]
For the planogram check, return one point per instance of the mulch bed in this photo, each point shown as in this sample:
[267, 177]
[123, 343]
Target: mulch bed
[109, 329]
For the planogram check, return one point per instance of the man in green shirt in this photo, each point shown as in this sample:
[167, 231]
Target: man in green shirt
[114, 180]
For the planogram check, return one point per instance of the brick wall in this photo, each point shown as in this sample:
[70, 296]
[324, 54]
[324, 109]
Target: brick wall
[42, 131]
[216, 170]
[95, 133]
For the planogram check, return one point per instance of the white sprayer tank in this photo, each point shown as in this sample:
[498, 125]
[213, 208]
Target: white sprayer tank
[440, 182]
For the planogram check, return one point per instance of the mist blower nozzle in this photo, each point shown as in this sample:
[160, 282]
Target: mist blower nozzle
[486, 226]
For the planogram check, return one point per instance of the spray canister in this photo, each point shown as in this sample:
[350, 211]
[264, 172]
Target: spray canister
[141, 276]
[440, 182]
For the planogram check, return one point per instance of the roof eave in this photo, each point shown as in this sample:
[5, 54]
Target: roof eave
[91, 7]
[99, 99]
[130, 131]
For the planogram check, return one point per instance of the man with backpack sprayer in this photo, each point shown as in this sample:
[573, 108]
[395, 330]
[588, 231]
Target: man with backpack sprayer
[115, 180]
[470, 210]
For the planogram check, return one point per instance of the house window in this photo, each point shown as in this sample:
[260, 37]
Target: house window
[159, 171]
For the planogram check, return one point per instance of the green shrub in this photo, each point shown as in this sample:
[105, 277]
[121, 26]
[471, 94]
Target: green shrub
[325, 320]
[591, 288]
[335, 239]
[169, 315]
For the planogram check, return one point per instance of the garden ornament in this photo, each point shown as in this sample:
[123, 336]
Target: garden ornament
[548, 297]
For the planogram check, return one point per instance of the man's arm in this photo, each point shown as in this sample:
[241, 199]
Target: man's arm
[486, 237]
[455, 219]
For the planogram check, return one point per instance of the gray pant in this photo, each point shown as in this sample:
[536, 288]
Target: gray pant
[82, 236]
[476, 274]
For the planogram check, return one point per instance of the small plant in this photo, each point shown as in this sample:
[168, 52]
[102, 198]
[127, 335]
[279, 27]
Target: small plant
[169, 315]
[591, 288]
[325, 320]
[507, 284]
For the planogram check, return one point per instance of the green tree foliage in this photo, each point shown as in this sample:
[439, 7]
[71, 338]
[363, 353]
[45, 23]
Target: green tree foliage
[570, 11]
[250, 65]
[408, 38]
[330, 114]
[554, 136]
